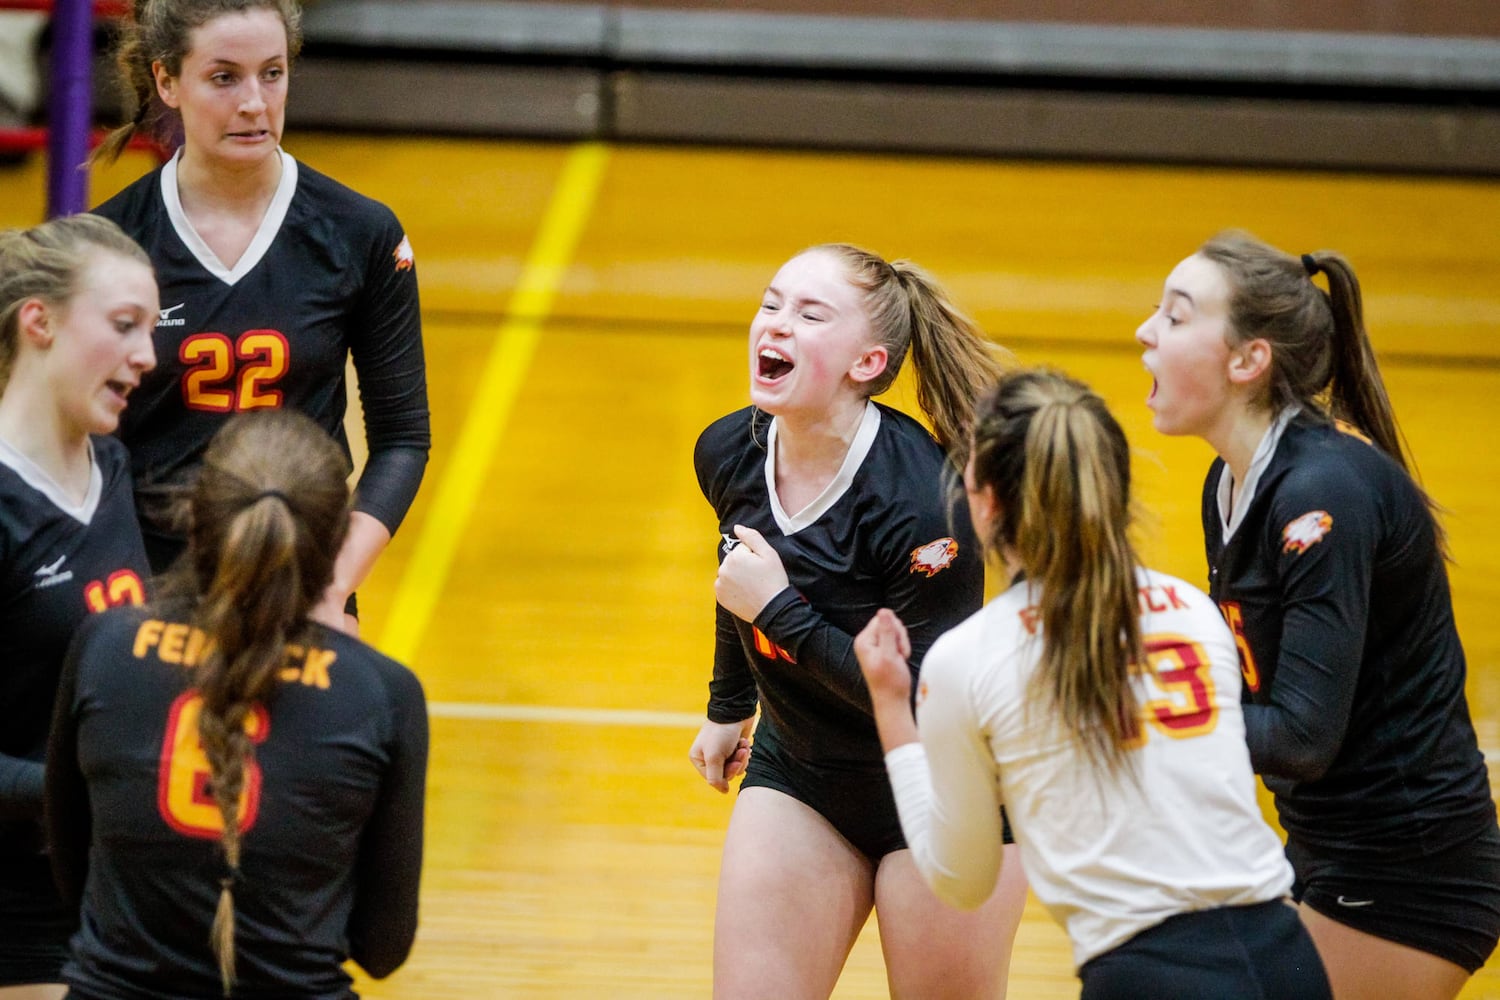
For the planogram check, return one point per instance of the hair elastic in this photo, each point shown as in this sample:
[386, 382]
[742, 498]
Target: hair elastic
[272, 493]
[1309, 265]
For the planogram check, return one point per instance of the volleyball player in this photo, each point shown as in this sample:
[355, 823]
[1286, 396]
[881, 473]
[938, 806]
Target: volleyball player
[1098, 701]
[1327, 560]
[271, 274]
[829, 506]
[77, 304]
[234, 792]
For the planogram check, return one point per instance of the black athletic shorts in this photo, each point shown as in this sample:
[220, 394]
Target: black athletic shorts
[856, 801]
[35, 924]
[1446, 904]
[1227, 953]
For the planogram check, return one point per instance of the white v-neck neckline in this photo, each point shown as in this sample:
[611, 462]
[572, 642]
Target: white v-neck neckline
[864, 438]
[1264, 452]
[36, 477]
[270, 224]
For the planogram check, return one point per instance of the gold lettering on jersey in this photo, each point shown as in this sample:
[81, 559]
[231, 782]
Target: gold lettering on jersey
[1161, 597]
[179, 643]
[174, 642]
[310, 666]
[146, 636]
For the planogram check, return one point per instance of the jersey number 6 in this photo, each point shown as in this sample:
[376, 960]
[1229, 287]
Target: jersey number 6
[213, 383]
[1236, 621]
[183, 794]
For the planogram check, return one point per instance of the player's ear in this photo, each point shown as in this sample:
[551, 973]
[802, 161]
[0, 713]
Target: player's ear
[35, 321]
[166, 85]
[1249, 361]
[870, 364]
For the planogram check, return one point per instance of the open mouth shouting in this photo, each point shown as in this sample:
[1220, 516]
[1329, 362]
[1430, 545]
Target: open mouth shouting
[120, 389]
[772, 365]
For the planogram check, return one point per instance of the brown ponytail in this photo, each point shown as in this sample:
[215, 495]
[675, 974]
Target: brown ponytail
[910, 310]
[1059, 466]
[268, 513]
[1356, 391]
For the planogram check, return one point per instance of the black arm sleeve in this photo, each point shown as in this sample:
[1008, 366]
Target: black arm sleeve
[1298, 732]
[383, 922]
[386, 346]
[928, 605]
[67, 818]
[732, 694]
[825, 651]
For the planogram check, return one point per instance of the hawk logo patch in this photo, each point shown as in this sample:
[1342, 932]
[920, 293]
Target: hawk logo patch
[1306, 531]
[934, 557]
[402, 255]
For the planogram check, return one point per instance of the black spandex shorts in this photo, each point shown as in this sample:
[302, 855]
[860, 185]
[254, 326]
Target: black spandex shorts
[1227, 953]
[35, 923]
[1446, 904]
[856, 801]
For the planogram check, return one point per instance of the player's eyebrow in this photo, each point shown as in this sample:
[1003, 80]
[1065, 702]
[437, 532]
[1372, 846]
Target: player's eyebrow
[806, 300]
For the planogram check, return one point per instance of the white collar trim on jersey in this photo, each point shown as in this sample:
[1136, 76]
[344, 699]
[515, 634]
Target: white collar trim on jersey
[270, 225]
[34, 476]
[1262, 458]
[864, 438]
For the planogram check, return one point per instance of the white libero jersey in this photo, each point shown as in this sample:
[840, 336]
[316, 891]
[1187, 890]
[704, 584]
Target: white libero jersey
[1109, 856]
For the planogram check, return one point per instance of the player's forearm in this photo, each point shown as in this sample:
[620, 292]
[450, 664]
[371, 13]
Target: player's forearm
[366, 540]
[894, 720]
[823, 650]
[391, 478]
[963, 879]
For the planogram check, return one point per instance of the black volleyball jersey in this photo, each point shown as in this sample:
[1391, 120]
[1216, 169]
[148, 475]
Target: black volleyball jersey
[882, 535]
[1335, 588]
[58, 562]
[331, 816]
[330, 275]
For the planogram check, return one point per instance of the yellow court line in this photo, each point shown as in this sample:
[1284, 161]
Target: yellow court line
[499, 384]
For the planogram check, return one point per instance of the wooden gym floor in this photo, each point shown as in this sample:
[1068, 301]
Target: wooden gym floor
[586, 311]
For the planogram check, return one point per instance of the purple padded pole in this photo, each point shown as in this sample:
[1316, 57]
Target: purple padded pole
[72, 106]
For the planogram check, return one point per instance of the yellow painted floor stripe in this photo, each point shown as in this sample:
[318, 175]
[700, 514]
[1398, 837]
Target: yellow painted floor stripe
[499, 384]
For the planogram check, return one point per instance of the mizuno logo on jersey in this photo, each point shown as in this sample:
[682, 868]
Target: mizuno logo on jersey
[1306, 531]
[167, 319]
[934, 557]
[402, 255]
[53, 574]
